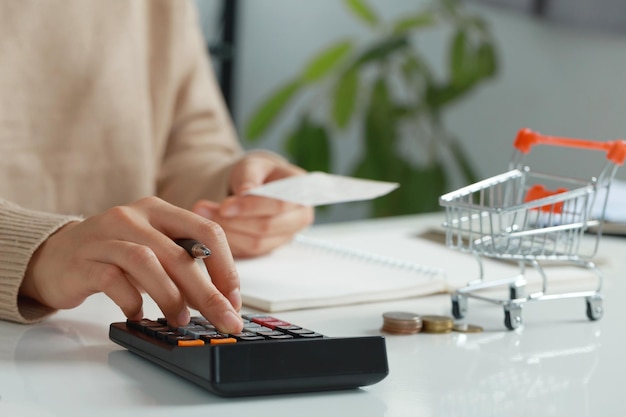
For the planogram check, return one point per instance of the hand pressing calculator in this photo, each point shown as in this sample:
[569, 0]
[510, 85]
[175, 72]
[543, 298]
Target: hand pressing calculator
[270, 356]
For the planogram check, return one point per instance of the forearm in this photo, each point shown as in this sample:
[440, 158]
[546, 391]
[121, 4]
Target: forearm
[201, 145]
[201, 173]
[22, 231]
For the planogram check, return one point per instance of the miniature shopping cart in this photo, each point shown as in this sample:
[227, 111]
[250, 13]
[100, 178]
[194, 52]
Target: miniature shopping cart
[531, 219]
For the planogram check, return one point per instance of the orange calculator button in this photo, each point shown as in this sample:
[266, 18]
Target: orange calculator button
[223, 341]
[195, 342]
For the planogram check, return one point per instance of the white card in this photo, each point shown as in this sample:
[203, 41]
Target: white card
[319, 188]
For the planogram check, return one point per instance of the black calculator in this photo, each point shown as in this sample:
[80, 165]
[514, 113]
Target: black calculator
[270, 356]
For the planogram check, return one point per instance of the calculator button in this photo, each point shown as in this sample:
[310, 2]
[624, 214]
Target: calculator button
[189, 329]
[212, 336]
[142, 324]
[250, 329]
[269, 321]
[290, 327]
[270, 333]
[199, 320]
[198, 333]
[194, 342]
[311, 335]
[164, 334]
[243, 334]
[174, 339]
[223, 341]
[262, 329]
[281, 337]
[152, 331]
[251, 338]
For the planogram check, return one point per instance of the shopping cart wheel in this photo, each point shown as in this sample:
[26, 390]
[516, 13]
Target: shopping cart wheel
[512, 316]
[515, 291]
[594, 308]
[459, 306]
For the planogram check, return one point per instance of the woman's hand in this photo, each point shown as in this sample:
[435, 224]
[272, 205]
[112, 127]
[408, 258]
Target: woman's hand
[129, 249]
[256, 225]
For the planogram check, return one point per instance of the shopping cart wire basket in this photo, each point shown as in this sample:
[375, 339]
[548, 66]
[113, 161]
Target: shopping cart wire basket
[531, 218]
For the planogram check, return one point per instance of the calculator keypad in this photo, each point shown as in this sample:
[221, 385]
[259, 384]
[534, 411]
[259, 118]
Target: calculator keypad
[199, 331]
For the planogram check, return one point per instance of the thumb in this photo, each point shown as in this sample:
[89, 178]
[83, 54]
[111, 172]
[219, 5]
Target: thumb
[252, 172]
[205, 208]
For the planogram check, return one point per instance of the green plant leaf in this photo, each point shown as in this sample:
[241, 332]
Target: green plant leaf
[382, 49]
[380, 124]
[421, 20]
[325, 61]
[416, 74]
[487, 61]
[309, 146]
[437, 96]
[345, 96]
[419, 191]
[468, 66]
[363, 11]
[270, 109]
[460, 59]
[380, 134]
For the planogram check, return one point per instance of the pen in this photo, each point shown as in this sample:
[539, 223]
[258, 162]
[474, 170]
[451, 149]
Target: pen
[194, 248]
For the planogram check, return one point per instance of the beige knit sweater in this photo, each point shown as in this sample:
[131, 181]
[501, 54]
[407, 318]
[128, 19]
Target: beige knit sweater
[102, 102]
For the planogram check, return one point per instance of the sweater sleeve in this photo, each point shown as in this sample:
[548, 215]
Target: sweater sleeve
[201, 142]
[21, 233]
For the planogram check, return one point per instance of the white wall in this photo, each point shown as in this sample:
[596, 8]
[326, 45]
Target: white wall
[556, 80]
[553, 79]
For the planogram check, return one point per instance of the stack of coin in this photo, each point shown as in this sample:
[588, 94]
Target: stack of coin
[400, 322]
[437, 324]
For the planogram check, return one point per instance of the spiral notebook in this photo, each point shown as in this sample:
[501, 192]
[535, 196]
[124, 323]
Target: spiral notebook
[311, 272]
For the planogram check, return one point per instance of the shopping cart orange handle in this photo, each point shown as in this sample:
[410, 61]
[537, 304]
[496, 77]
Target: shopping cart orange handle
[526, 139]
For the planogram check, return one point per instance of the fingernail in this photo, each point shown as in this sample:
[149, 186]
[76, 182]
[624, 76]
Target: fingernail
[230, 210]
[231, 322]
[204, 212]
[247, 186]
[235, 298]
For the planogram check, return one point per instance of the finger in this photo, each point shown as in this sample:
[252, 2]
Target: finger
[115, 285]
[205, 208]
[254, 206]
[284, 223]
[247, 246]
[169, 222]
[141, 266]
[259, 168]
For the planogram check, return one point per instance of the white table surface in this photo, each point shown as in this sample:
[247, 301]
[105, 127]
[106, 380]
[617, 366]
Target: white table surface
[558, 364]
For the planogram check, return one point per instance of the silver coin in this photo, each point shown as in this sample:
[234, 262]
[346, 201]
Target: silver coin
[400, 322]
[467, 328]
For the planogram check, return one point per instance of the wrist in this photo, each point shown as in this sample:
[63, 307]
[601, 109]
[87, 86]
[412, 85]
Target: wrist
[38, 268]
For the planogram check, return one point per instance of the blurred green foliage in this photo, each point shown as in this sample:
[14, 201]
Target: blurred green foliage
[385, 87]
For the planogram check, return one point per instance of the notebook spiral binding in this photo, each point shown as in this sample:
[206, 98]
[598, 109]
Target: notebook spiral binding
[368, 256]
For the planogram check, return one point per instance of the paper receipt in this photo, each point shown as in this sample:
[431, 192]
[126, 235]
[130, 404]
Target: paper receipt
[319, 188]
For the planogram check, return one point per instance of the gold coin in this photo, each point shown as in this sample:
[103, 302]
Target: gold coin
[467, 328]
[437, 324]
[400, 322]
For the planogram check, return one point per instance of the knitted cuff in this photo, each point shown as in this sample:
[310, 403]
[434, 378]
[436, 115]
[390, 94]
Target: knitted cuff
[21, 233]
